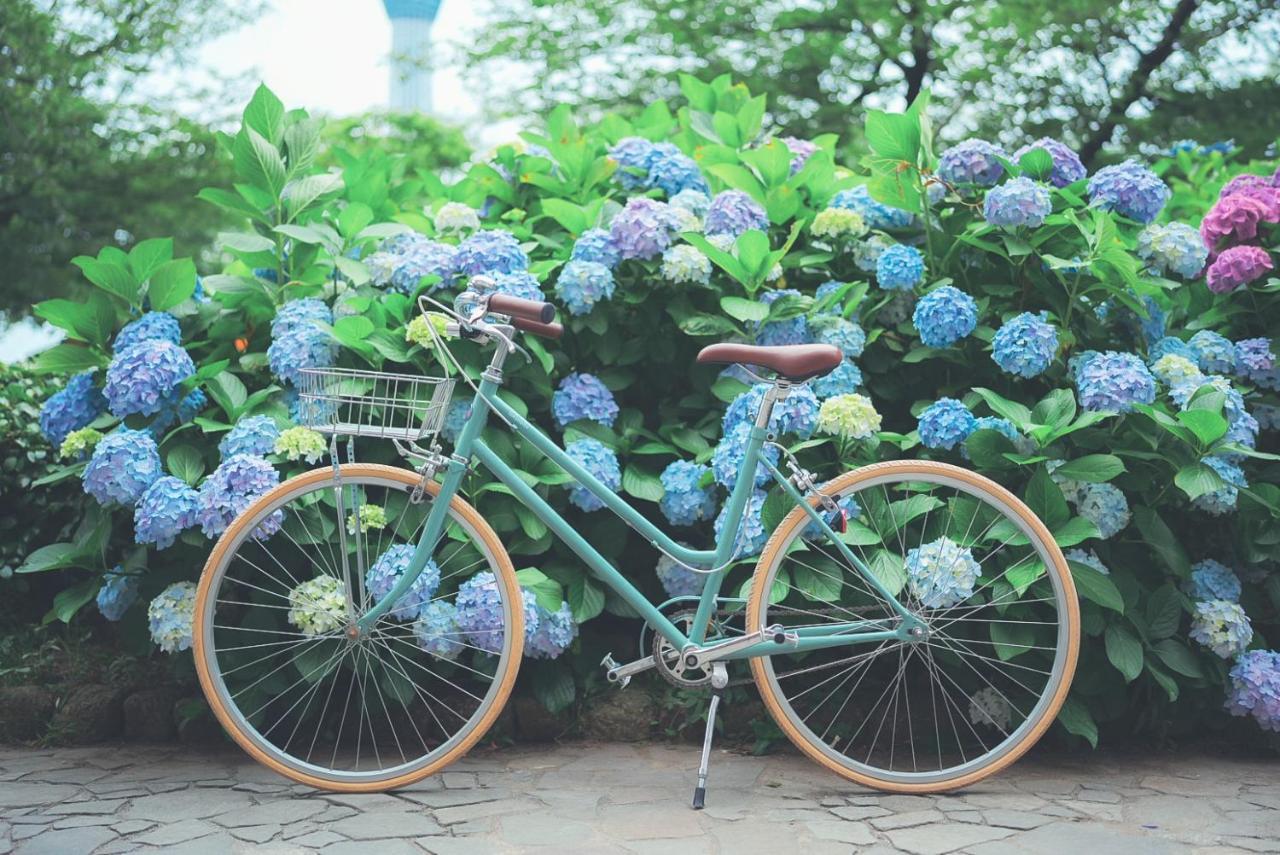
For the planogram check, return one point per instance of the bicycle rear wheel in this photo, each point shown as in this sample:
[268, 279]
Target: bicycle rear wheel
[272, 631]
[1003, 627]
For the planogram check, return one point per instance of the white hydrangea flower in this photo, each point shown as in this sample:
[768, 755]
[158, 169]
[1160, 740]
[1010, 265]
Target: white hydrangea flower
[318, 605]
[989, 707]
[942, 573]
[456, 217]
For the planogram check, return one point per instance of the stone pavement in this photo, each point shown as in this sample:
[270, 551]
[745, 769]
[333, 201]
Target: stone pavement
[589, 798]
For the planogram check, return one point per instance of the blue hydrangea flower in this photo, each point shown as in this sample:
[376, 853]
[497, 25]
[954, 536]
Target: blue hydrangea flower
[683, 501]
[899, 268]
[941, 574]
[521, 283]
[1130, 189]
[686, 265]
[298, 315]
[1072, 490]
[1173, 248]
[733, 212]
[255, 435]
[1212, 580]
[436, 630]
[237, 483]
[386, 571]
[490, 251]
[944, 316]
[946, 423]
[423, 258]
[972, 162]
[1232, 406]
[124, 463]
[479, 612]
[583, 396]
[595, 245]
[1114, 382]
[1221, 626]
[673, 171]
[867, 252]
[72, 407]
[795, 414]
[455, 419]
[1089, 559]
[166, 509]
[844, 379]
[1223, 500]
[1025, 344]
[876, 215]
[191, 405]
[642, 229]
[169, 617]
[1067, 168]
[296, 341]
[1001, 426]
[790, 331]
[852, 511]
[1175, 371]
[844, 334]
[751, 534]
[599, 460]
[633, 156]
[1213, 352]
[1170, 345]
[678, 580]
[556, 631]
[144, 379]
[696, 202]
[1255, 362]
[1017, 202]
[153, 326]
[731, 452]
[1150, 328]
[582, 284]
[1104, 506]
[825, 290]
[1255, 688]
[119, 591]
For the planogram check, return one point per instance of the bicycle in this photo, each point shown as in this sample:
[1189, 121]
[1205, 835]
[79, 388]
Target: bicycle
[910, 625]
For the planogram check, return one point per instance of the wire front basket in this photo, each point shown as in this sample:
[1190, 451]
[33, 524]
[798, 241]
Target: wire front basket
[347, 402]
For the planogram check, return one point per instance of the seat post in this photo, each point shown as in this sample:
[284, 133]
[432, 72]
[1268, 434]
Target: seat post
[780, 389]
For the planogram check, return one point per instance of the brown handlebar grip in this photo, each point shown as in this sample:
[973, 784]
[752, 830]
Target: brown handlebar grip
[518, 307]
[545, 330]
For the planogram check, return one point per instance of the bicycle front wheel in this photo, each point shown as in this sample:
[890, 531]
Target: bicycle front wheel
[294, 684]
[977, 688]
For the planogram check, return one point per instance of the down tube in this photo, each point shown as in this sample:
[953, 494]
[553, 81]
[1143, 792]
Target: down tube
[597, 562]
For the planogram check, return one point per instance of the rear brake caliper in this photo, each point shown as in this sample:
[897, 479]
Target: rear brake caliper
[805, 482]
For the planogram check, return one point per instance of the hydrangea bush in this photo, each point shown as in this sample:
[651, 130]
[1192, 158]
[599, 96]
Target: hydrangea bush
[1099, 341]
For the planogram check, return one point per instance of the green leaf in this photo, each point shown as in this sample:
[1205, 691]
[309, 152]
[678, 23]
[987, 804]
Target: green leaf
[67, 359]
[572, 217]
[1124, 651]
[70, 600]
[265, 113]
[752, 249]
[547, 590]
[642, 484]
[1075, 717]
[54, 556]
[172, 283]
[1096, 587]
[1011, 410]
[894, 135]
[888, 567]
[246, 242]
[1095, 468]
[1045, 499]
[1075, 530]
[554, 687]
[585, 598]
[185, 462]
[301, 194]
[1036, 163]
[78, 319]
[352, 330]
[1176, 655]
[815, 583]
[228, 392]
[743, 309]
[147, 256]
[1164, 612]
[1158, 536]
[1056, 409]
[1208, 426]
[113, 278]
[1197, 479]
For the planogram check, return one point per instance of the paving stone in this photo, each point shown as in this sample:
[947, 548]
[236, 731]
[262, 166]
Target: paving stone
[465, 813]
[385, 847]
[105, 806]
[72, 840]
[276, 812]
[1073, 838]
[542, 829]
[649, 822]
[384, 825]
[83, 821]
[131, 826]
[452, 846]
[907, 819]
[22, 794]
[188, 804]
[316, 839]
[856, 812]
[856, 833]
[943, 837]
[172, 833]
[255, 833]
[1019, 819]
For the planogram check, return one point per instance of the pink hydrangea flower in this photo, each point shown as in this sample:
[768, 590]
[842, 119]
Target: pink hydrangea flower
[1237, 266]
[1234, 218]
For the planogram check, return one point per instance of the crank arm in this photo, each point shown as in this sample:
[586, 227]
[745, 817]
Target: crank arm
[699, 657]
[622, 674]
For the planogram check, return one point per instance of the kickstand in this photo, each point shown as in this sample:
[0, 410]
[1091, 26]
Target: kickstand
[719, 679]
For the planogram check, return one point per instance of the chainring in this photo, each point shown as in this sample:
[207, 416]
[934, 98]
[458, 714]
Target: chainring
[670, 664]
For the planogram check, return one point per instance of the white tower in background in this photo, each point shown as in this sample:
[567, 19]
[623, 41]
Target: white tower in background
[411, 22]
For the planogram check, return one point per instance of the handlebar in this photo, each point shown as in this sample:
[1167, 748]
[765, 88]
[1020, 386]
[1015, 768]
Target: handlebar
[552, 331]
[518, 308]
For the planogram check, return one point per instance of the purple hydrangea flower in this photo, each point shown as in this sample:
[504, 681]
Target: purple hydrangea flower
[1234, 219]
[1213, 352]
[1255, 688]
[144, 379]
[683, 501]
[191, 405]
[790, 331]
[72, 407]
[876, 215]
[582, 284]
[795, 414]
[1067, 168]
[236, 484]
[1025, 344]
[801, 150]
[1114, 382]
[383, 575]
[583, 396]
[946, 423]
[595, 245]
[944, 316]
[1017, 202]
[1130, 189]
[733, 212]
[972, 162]
[642, 229]
[119, 591]
[1253, 358]
[1212, 580]
[556, 631]
[491, 251]
[731, 452]
[844, 379]
[1236, 266]
[253, 435]
[165, 510]
[153, 326]
[751, 531]
[599, 460]
[899, 268]
[124, 463]
[456, 418]
[1257, 188]
[479, 612]
[696, 202]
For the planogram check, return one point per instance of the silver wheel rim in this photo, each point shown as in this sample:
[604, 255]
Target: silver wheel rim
[1012, 740]
[208, 627]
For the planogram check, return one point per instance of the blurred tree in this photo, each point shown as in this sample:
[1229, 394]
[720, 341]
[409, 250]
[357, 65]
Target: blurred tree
[83, 160]
[423, 143]
[1095, 72]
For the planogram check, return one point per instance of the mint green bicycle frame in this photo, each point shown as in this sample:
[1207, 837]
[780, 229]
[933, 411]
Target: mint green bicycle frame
[470, 444]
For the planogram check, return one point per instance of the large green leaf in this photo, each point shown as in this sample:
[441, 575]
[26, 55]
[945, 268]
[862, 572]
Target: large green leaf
[1124, 651]
[547, 590]
[1096, 587]
[641, 483]
[1197, 479]
[185, 462]
[67, 359]
[1092, 467]
[1075, 717]
[172, 283]
[112, 277]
